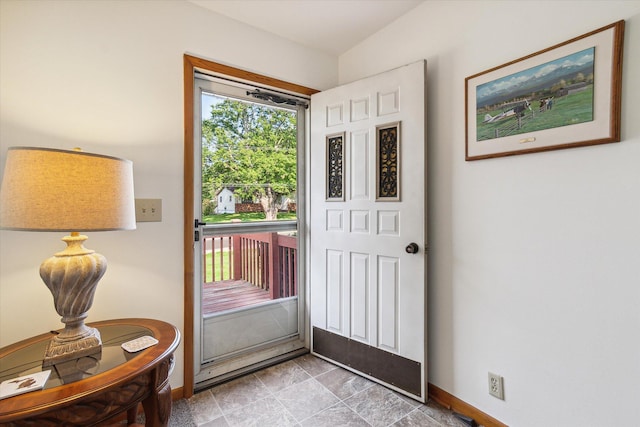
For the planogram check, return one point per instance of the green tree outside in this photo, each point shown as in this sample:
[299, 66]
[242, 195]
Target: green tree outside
[250, 149]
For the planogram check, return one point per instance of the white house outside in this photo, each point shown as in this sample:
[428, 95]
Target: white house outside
[226, 202]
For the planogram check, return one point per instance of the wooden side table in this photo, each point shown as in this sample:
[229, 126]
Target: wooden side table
[90, 390]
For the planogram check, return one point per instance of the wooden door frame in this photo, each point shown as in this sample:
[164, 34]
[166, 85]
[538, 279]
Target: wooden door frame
[190, 65]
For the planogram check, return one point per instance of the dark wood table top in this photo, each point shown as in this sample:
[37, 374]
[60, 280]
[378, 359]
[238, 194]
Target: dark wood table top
[87, 376]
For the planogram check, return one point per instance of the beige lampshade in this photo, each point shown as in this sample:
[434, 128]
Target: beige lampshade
[58, 190]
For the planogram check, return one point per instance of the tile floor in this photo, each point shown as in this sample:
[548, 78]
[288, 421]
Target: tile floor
[311, 392]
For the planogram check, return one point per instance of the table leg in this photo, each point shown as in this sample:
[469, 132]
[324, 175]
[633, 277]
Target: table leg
[157, 407]
[132, 415]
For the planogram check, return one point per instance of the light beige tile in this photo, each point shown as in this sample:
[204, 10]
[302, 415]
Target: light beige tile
[417, 418]
[277, 377]
[267, 412]
[408, 399]
[285, 395]
[218, 422]
[314, 365]
[441, 414]
[337, 415]
[239, 392]
[379, 406]
[306, 399]
[203, 407]
[343, 383]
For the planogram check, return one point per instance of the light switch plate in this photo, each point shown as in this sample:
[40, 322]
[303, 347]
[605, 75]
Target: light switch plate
[148, 210]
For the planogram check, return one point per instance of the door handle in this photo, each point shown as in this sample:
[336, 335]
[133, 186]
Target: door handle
[412, 248]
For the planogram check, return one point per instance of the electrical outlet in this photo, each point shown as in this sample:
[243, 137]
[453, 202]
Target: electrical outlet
[496, 386]
[148, 210]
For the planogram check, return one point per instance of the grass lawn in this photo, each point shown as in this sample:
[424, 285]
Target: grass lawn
[208, 266]
[245, 217]
[221, 218]
[567, 110]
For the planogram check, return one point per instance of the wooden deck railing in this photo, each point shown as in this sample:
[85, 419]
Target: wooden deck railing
[266, 260]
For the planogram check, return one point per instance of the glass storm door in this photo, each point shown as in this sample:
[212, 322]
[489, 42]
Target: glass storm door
[247, 234]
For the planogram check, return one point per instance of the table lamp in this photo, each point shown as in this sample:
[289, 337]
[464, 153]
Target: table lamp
[72, 191]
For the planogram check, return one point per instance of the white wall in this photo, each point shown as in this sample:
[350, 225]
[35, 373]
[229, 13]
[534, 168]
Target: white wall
[533, 270]
[107, 76]
[533, 265]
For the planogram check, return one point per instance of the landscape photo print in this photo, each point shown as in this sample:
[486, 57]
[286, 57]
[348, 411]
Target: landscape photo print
[564, 96]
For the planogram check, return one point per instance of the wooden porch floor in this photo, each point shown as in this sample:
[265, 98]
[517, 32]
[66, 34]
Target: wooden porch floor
[230, 294]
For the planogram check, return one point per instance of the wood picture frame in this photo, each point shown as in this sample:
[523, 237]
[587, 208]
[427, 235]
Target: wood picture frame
[568, 95]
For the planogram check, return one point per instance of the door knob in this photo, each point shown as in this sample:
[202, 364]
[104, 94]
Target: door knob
[412, 248]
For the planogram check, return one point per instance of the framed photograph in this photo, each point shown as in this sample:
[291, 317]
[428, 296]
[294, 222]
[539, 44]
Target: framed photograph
[565, 96]
[388, 162]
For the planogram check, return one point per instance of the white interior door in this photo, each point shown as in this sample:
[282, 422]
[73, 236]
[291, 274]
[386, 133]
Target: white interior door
[368, 227]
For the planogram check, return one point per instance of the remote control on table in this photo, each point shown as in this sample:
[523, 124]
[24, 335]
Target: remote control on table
[139, 344]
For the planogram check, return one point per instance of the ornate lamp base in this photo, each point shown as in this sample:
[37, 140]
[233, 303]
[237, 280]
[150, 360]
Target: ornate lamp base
[72, 276]
[62, 349]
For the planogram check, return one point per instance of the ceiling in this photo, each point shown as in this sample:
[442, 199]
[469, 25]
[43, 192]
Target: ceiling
[332, 26]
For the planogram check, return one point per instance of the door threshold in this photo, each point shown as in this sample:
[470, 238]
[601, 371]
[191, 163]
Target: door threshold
[203, 385]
